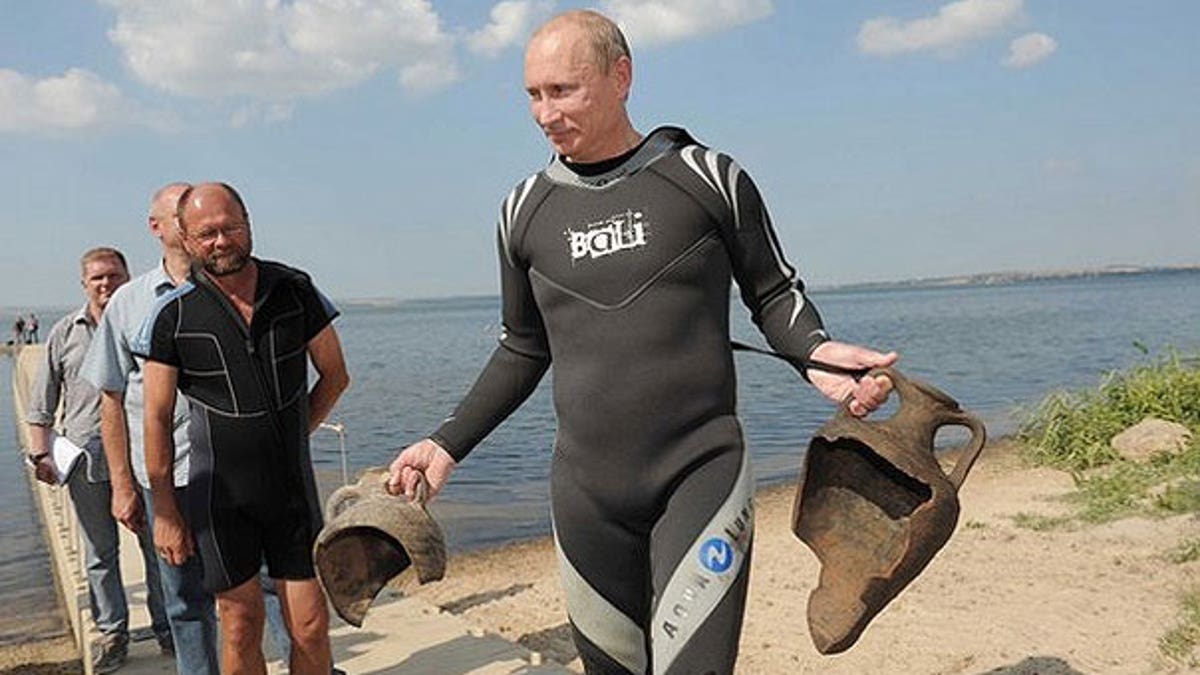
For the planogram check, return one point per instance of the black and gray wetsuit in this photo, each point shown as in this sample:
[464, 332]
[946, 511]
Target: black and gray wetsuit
[622, 278]
[251, 491]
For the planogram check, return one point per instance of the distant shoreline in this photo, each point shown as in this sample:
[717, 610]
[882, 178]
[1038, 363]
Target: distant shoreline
[1005, 278]
[960, 281]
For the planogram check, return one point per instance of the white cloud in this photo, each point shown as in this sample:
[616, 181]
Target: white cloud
[1030, 49]
[75, 101]
[649, 22]
[275, 51]
[428, 76]
[955, 26]
[511, 22]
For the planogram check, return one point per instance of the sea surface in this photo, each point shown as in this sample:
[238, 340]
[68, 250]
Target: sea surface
[26, 584]
[996, 349]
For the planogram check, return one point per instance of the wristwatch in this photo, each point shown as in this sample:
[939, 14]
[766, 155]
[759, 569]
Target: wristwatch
[34, 460]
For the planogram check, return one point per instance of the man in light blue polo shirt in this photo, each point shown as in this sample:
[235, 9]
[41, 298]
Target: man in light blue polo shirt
[112, 368]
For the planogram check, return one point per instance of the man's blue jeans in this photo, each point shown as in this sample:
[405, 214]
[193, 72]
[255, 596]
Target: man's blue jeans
[110, 611]
[190, 609]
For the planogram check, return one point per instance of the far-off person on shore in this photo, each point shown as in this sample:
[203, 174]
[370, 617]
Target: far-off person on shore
[59, 379]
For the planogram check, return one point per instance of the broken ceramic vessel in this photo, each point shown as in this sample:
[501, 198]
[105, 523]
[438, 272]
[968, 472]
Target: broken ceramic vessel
[370, 537]
[875, 506]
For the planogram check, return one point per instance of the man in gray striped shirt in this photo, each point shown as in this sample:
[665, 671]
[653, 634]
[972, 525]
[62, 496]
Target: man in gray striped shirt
[58, 378]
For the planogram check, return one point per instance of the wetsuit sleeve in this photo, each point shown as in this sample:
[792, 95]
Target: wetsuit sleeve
[156, 339]
[514, 369]
[769, 285]
[318, 310]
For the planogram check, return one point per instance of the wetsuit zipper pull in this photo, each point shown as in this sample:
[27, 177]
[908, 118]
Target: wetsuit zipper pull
[250, 346]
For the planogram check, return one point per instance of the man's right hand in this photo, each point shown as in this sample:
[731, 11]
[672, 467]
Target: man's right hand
[172, 538]
[127, 508]
[425, 457]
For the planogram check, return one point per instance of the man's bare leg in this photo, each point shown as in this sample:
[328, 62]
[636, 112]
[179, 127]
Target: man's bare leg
[241, 612]
[307, 617]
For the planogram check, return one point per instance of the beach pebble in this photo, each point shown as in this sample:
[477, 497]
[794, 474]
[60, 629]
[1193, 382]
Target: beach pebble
[1150, 437]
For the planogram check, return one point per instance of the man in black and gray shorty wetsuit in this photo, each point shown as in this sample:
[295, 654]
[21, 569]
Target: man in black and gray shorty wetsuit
[236, 339]
[616, 263]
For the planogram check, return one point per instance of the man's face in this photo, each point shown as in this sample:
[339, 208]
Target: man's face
[216, 234]
[101, 277]
[162, 219]
[577, 106]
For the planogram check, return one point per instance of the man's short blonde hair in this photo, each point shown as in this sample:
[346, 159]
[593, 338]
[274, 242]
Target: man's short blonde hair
[101, 253]
[606, 40]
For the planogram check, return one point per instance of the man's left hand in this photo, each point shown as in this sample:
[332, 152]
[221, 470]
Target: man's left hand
[43, 470]
[863, 396]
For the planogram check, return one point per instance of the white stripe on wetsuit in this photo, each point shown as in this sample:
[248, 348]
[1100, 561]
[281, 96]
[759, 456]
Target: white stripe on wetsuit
[598, 620]
[706, 572]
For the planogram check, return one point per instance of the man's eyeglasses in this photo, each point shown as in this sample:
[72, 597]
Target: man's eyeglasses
[209, 235]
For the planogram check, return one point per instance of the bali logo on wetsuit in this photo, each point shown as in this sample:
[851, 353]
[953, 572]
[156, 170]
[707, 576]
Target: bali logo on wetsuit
[619, 232]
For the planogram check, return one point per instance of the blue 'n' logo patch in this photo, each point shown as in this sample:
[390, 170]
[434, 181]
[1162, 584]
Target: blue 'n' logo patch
[716, 555]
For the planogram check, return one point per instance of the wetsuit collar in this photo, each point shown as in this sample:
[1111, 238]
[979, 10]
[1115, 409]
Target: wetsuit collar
[262, 287]
[656, 144]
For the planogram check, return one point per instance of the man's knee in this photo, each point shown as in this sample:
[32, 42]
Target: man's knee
[310, 627]
[307, 613]
[241, 615]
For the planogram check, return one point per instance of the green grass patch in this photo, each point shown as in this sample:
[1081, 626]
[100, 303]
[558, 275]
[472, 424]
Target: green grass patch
[1187, 551]
[1179, 644]
[1073, 431]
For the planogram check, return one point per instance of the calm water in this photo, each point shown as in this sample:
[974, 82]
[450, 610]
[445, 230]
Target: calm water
[26, 585]
[993, 348]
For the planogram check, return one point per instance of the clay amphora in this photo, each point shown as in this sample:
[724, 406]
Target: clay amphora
[875, 506]
[371, 536]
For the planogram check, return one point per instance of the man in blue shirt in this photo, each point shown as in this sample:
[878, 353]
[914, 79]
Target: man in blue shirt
[113, 369]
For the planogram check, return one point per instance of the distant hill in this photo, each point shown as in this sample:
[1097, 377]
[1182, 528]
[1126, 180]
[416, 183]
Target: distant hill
[1001, 278]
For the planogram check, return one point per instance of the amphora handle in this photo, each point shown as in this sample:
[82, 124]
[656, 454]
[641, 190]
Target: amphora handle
[970, 450]
[340, 500]
[420, 496]
[945, 412]
[348, 495]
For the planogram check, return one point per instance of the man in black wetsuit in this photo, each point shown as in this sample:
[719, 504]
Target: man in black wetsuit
[236, 339]
[616, 262]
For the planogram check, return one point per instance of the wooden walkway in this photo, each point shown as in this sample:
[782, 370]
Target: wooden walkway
[401, 635]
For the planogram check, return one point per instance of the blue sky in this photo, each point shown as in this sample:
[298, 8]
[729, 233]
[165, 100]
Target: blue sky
[374, 139]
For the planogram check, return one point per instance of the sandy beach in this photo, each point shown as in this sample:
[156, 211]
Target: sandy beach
[998, 599]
